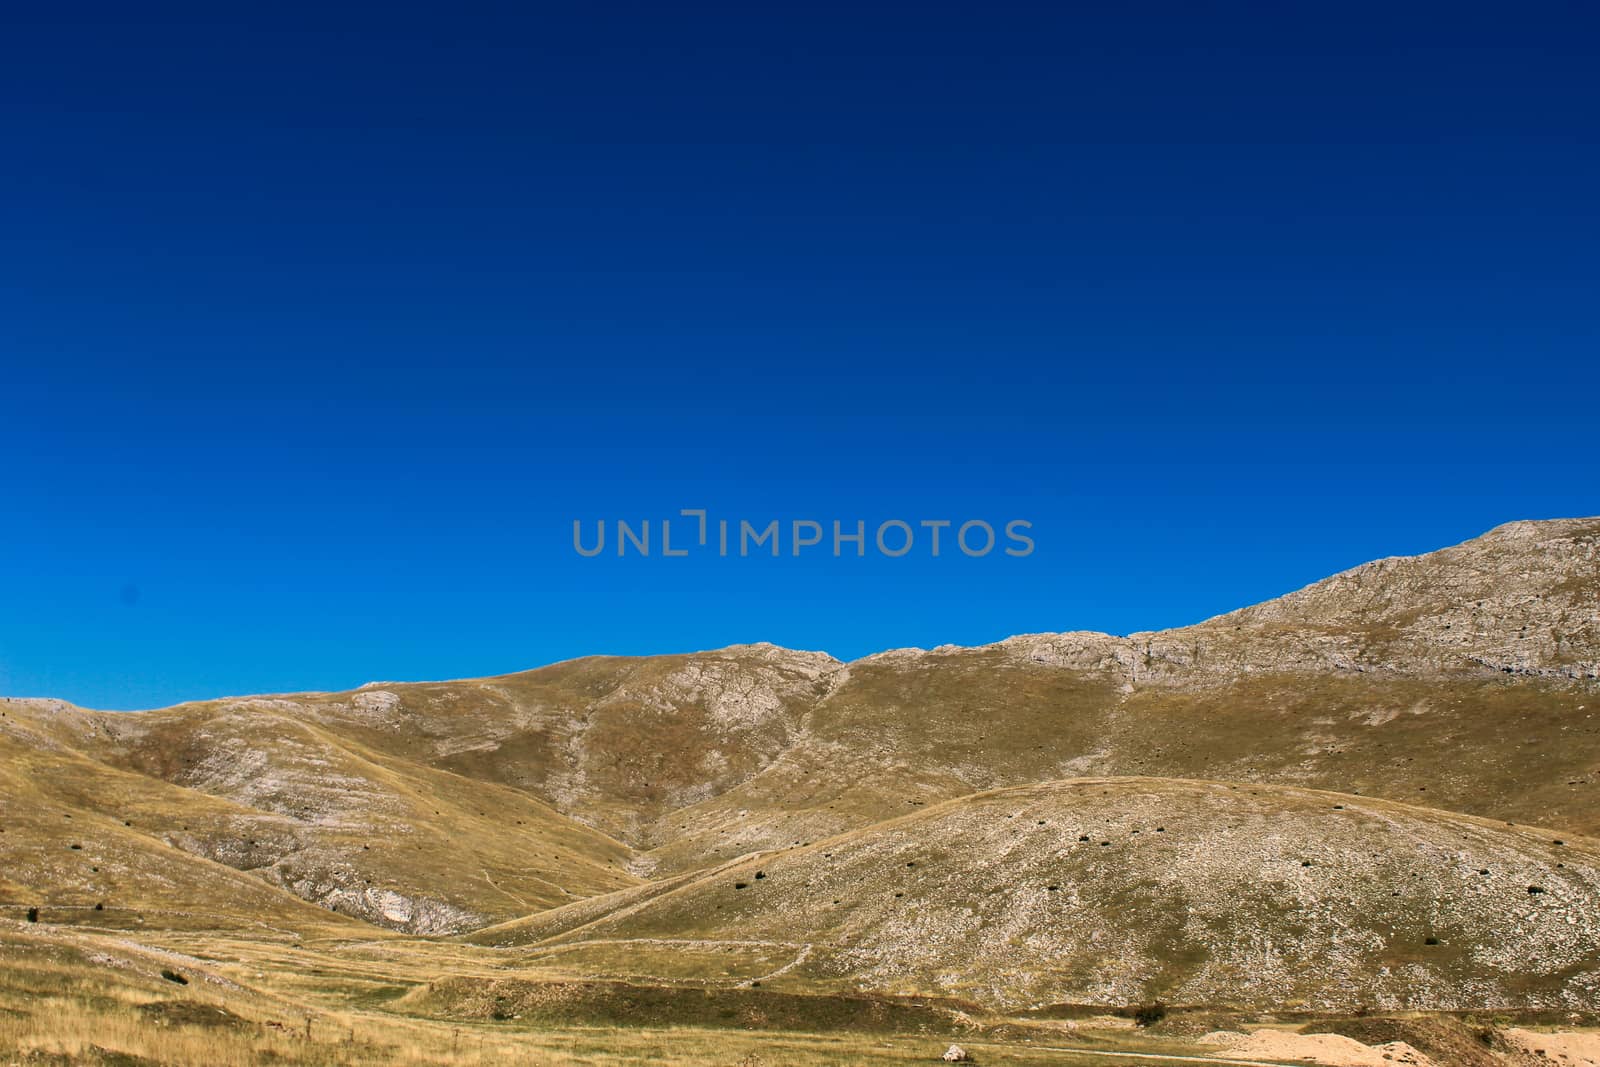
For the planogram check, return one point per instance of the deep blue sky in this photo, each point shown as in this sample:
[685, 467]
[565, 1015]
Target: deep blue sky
[319, 324]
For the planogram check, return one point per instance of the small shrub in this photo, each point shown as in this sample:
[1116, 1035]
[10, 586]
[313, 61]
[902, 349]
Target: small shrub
[1149, 1014]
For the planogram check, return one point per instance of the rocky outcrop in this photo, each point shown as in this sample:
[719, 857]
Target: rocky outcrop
[1523, 599]
[385, 907]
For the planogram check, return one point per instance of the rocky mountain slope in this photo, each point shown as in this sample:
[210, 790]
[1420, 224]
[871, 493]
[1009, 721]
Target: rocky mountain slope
[1518, 600]
[246, 788]
[1461, 682]
[900, 733]
[1116, 890]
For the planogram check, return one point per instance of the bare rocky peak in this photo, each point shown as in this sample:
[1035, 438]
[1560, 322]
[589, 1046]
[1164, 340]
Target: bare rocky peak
[741, 686]
[1514, 565]
[1522, 599]
[797, 661]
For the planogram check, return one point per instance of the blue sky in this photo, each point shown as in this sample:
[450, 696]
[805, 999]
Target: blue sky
[319, 328]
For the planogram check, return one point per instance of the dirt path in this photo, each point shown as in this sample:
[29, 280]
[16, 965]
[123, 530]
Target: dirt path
[803, 955]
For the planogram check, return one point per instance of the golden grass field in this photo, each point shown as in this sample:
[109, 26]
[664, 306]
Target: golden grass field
[96, 1004]
[74, 995]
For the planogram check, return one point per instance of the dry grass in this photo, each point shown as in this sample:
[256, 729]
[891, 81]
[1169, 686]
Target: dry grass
[132, 1031]
[69, 995]
[74, 996]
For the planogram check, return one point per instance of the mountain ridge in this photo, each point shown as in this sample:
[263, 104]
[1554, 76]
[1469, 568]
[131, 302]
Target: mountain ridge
[1582, 533]
[615, 769]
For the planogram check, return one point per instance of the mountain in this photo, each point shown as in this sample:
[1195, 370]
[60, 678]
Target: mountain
[1449, 700]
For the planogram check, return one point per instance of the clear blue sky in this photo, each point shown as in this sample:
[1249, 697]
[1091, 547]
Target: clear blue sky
[319, 324]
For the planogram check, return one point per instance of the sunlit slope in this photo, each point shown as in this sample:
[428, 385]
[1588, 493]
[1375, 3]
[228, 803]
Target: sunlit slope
[1122, 890]
[84, 845]
[903, 732]
[294, 805]
[612, 741]
[1520, 599]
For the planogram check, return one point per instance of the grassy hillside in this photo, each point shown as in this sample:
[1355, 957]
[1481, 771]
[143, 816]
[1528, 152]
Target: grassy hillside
[1121, 890]
[904, 732]
[239, 789]
[81, 843]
